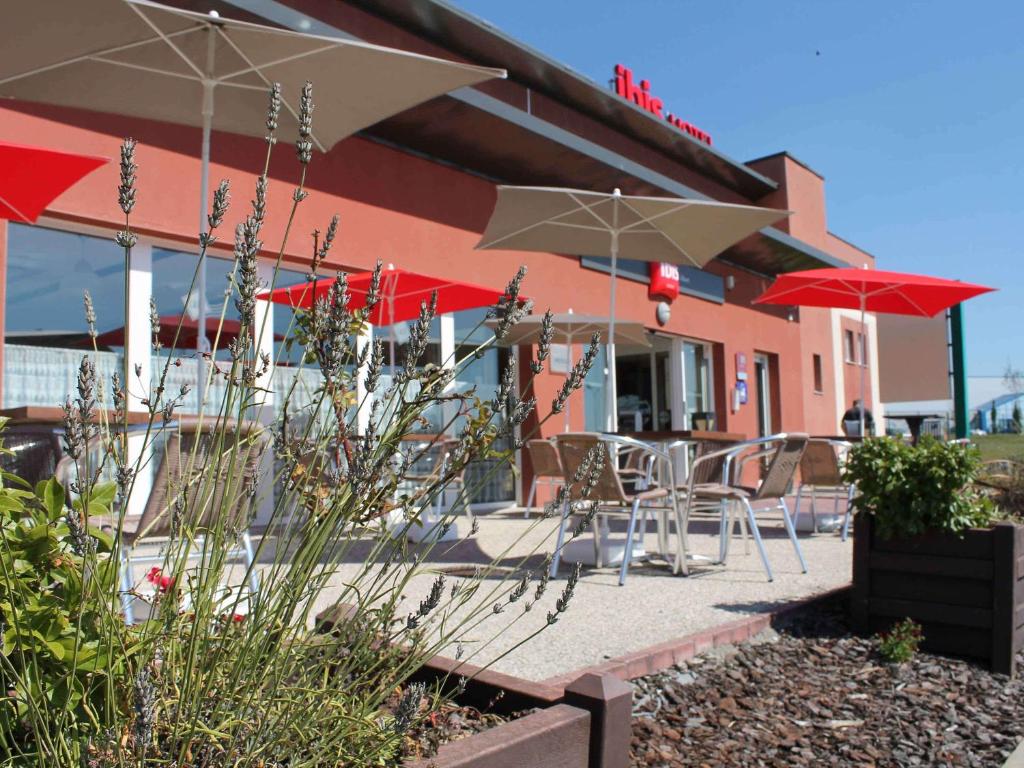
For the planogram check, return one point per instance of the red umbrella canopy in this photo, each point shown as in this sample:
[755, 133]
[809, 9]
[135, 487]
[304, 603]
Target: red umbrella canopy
[33, 177]
[401, 292]
[229, 331]
[869, 289]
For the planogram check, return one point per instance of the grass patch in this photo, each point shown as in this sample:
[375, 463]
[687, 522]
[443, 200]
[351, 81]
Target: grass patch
[1000, 446]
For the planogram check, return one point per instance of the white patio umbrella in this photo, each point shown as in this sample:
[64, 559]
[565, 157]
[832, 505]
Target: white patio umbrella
[142, 59]
[657, 229]
[570, 328]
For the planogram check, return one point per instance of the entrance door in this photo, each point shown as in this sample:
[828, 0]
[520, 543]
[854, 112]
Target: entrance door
[763, 394]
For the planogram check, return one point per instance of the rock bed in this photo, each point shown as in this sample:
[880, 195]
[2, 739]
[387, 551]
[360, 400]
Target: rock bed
[816, 695]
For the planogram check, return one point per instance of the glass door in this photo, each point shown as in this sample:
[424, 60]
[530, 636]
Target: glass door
[763, 394]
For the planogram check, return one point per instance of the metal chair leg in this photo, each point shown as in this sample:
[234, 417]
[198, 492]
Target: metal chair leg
[683, 548]
[627, 554]
[814, 509]
[796, 504]
[561, 540]
[849, 513]
[792, 534]
[250, 563]
[530, 498]
[757, 540]
[724, 531]
[126, 586]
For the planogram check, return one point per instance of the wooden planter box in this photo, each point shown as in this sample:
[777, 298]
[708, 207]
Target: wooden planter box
[587, 724]
[967, 593]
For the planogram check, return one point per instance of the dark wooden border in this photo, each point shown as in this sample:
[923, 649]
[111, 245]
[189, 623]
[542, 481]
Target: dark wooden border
[967, 592]
[556, 737]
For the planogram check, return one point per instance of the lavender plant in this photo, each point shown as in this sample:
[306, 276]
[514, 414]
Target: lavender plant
[230, 665]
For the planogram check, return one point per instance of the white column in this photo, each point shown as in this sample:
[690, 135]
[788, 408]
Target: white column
[263, 398]
[448, 358]
[877, 408]
[677, 403]
[363, 398]
[139, 348]
[448, 363]
[677, 380]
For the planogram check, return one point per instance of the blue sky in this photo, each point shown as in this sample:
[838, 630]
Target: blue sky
[912, 111]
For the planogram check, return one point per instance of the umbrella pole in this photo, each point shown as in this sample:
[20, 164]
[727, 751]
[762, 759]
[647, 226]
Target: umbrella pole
[612, 395]
[568, 400]
[863, 364]
[202, 344]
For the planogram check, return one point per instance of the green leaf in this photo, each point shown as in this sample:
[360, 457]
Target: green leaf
[53, 498]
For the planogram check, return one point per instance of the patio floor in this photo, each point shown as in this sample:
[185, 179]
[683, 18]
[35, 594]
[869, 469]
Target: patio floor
[605, 620]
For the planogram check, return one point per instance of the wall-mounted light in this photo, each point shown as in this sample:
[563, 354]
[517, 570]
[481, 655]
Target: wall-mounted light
[791, 314]
[663, 312]
[730, 282]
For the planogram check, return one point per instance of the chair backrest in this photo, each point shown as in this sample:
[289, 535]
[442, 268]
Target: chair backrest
[820, 464]
[573, 449]
[544, 458]
[709, 471]
[782, 467]
[198, 474]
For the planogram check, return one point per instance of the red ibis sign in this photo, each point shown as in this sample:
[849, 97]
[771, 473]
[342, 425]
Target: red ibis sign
[664, 282]
[640, 94]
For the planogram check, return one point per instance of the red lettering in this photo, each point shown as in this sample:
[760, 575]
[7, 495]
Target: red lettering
[640, 94]
[645, 95]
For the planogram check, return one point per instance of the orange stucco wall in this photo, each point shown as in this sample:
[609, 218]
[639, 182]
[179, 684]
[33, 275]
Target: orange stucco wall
[422, 215]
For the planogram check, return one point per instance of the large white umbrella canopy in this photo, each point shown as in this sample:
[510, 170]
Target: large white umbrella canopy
[657, 229]
[142, 59]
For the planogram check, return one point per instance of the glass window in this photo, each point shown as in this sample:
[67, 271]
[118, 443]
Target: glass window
[816, 361]
[45, 332]
[849, 347]
[488, 480]
[697, 372]
[594, 397]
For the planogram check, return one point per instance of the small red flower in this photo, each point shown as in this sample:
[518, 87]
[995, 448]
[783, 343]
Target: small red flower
[156, 577]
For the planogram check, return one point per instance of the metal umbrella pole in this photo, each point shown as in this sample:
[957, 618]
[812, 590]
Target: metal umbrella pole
[202, 343]
[863, 363]
[611, 405]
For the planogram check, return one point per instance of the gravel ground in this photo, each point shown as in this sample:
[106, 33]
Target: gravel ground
[815, 695]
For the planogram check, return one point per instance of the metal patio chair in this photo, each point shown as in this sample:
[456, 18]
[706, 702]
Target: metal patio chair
[432, 465]
[784, 452]
[608, 496]
[199, 476]
[547, 468]
[821, 471]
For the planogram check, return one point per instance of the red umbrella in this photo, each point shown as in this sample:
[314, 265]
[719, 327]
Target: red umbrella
[401, 292]
[32, 177]
[229, 331]
[869, 290]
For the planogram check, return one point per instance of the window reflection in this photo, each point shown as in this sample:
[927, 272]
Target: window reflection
[45, 332]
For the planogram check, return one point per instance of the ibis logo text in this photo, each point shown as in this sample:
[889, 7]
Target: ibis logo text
[640, 94]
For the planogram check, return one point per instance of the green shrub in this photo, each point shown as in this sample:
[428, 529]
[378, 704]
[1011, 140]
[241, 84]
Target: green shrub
[913, 489]
[901, 642]
[55, 603]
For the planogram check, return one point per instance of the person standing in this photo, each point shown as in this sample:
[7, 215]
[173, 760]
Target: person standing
[851, 420]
